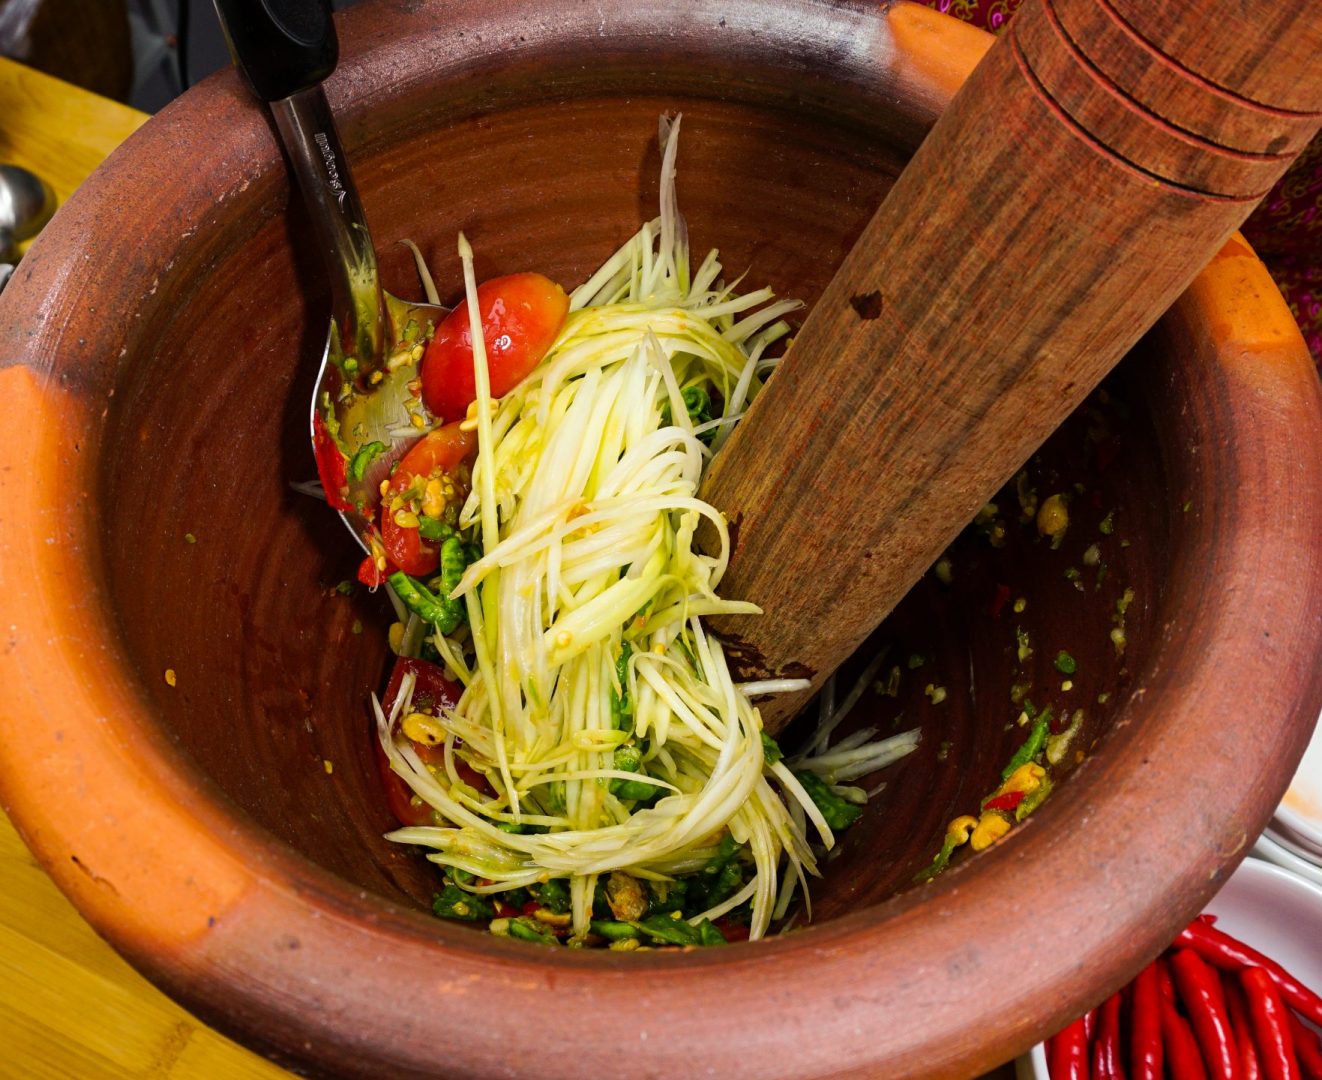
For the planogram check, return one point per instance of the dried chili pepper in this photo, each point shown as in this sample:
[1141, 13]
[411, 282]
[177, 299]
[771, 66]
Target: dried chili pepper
[1145, 1047]
[1223, 951]
[1271, 1029]
[1200, 993]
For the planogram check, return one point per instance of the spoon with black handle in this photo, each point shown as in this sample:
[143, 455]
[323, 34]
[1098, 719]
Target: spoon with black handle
[364, 413]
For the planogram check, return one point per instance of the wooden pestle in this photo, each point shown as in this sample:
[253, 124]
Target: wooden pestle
[1097, 158]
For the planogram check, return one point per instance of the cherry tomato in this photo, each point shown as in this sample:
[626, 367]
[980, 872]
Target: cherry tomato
[440, 451]
[405, 548]
[732, 931]
[431, 691]
[399, 796]
[372, 575]
[521, 316]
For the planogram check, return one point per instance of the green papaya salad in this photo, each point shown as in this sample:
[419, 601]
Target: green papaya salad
[562, 734]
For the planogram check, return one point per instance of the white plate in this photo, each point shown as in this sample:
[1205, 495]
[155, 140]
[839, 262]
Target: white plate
[1297, 823]
[1269, 849]
[1278, 913]
[1275, 911]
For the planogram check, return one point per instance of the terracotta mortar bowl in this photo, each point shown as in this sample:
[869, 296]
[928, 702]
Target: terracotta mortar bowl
[224, 830]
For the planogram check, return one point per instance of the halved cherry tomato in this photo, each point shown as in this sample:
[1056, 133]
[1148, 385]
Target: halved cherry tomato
[521, 316]
[731, 930]
[405, 548]
[372, 575]
[440, 451]
[399, 796]
[431, 691]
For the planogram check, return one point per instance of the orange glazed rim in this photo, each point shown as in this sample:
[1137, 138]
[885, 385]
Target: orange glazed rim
[294, 961]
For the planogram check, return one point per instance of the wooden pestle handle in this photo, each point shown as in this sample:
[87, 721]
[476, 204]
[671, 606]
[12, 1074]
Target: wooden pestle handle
[1080, 179]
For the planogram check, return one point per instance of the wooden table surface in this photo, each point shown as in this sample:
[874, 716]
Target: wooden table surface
[70, 1007]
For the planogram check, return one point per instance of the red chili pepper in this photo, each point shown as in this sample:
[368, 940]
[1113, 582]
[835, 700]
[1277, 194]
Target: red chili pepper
[1089, 1023]
[1164, 982]
[1271, 1029]
[1307, 1047]
[1106, 1047]
[1067, 1053]
[1009, 801]
[1223, 951]
[1145, 1046]
[1200, 992]
[332, 467]
[1183, 1059]
[999, 600]
[1238, 1010]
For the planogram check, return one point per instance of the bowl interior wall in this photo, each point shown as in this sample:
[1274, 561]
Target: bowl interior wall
[273, 667]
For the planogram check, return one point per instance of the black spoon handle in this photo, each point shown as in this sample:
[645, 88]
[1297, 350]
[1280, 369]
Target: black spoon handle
[281, 46]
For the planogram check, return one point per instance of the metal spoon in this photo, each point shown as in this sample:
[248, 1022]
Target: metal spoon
[362, 405]
[26, 204]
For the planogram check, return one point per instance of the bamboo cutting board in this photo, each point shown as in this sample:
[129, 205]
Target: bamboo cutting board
[69, 1006]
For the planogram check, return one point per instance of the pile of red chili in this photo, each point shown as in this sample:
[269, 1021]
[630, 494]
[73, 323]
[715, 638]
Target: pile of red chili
[1209, 1008]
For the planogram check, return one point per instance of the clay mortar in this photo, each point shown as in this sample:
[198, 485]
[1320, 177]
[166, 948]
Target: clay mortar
[197, 825]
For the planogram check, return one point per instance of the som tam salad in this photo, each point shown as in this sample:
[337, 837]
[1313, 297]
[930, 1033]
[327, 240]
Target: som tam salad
[563, 734]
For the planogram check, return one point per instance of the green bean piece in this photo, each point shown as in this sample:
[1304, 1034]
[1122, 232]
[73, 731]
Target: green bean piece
[612, 930]
[669, 930]
[771, 752]
[697, 403]
[1033, 745]
[839, 814]
[553, 894]
[1034, 799]
[720, 878]
[621, 705]
[454, 561]
[708, 934]
[430, 528]
[527, 930]
[516, 898]
[671, 895]
[453, 903]
[940, 862]
[725, 853]
[363, 458]
[628, 758]
[443, 613]
[727, 883]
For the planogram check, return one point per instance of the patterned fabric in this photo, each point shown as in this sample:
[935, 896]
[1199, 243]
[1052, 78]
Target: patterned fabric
[1285, 230]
